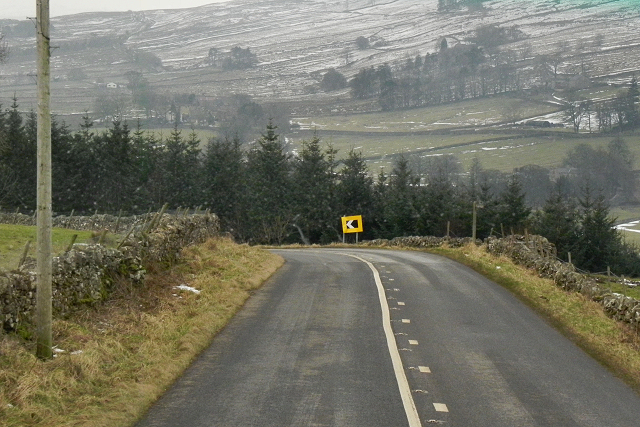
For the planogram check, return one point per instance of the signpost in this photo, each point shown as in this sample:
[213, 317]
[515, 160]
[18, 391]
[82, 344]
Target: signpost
[352, 224]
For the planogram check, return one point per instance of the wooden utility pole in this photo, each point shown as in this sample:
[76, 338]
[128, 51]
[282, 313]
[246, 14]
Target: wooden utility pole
[44, 268]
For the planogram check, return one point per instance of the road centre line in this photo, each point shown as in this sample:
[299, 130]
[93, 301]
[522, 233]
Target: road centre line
[440, 407]
[403, 385]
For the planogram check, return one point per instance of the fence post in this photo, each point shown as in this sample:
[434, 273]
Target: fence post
[73, 241]
[25, 251]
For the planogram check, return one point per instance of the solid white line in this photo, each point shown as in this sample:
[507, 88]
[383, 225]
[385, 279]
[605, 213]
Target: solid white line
[401, 378]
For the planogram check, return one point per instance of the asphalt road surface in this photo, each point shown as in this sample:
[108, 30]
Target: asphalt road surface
[375, 338]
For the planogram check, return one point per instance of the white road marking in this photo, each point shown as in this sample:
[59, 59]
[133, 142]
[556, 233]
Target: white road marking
[440, 407]
[400, 303]
[403, 385]
[406, 320]
[424, 369]
[413, 342]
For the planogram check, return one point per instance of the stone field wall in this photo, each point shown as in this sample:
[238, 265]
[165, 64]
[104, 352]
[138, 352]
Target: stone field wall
[86, 273]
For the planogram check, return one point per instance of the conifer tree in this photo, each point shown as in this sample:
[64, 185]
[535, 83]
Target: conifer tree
[314, 189]
[181, 166]
[512, 210]
[355, 190]
[224, 185]
[598, 241]
[559, 222]
[269, 189]
[400, 210]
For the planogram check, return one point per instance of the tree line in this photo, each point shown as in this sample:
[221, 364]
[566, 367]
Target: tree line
[265, 193]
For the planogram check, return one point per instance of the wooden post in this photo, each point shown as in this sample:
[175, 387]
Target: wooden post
[473, 224]
[118, 222]
[44, 340]
[25, 252]
[73, 241]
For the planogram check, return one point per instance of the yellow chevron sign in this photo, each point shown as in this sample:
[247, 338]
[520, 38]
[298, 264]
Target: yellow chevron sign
[352, 224]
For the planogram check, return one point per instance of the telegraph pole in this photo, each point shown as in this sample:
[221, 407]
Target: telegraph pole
[44, 261]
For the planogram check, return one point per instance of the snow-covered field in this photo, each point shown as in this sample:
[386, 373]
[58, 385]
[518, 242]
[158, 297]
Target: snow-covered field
[296, 41]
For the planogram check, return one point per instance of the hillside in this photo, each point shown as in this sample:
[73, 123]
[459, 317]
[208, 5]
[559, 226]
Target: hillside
[297, 41]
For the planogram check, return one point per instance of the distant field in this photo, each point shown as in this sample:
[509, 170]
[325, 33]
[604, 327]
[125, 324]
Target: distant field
[13, 239]
[474, 133]
[501, 151]
[475, 112]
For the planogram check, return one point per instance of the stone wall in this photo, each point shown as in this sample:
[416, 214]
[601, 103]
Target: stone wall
[86, 274]
[420, 242]
[536, 253]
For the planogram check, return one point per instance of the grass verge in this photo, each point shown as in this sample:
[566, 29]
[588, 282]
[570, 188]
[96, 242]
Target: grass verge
[613, 344]
[118, 358]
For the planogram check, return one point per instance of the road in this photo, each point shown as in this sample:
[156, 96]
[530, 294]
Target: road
[358, 337]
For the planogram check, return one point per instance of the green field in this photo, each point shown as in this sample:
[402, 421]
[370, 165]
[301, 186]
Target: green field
[13, 239]
[471, 129]
[471, 113]
[499, 151]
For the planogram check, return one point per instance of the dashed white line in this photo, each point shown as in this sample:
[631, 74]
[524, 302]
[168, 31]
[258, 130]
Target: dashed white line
[424, 369]
[406, 320]
[400, 303]
[413, 342]
[440, 407]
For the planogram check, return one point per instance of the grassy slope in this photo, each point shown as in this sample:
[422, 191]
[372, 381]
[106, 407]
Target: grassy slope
[120, 357]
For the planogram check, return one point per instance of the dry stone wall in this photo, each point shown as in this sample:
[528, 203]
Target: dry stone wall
[536, 253]
[86, 274]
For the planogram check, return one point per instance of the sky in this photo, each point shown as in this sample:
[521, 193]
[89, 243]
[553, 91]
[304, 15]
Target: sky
[21, 9]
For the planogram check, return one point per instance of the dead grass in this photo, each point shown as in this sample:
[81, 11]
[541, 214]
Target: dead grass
[117, 359]
[612, 343]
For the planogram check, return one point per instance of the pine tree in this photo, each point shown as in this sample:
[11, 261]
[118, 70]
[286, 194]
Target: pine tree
[113, 150]
[269, 189]
[559, 222]
[598, 241]
[400, 211]
[21, 151]
[181, 166]
[355, 190]
[314, 190]
[224, 184]
[512, 210]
